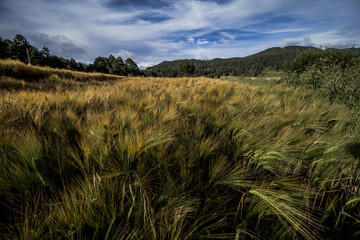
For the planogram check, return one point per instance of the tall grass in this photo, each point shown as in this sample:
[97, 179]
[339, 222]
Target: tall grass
[189, 158]
[46, 76]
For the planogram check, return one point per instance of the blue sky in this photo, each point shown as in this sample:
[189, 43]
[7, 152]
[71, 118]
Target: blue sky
[152, 31]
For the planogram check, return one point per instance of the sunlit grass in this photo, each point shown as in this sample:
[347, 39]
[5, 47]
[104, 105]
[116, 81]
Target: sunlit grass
[186, 158]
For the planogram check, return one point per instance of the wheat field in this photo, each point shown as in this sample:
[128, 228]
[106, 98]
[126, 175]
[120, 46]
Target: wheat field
[177, 158]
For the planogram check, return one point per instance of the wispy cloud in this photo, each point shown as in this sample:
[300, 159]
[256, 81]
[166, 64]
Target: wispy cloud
[202, 41]
[151, 31]
[326, 39]
[228, 35]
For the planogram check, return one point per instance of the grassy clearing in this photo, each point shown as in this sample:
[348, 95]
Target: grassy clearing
[189, 158]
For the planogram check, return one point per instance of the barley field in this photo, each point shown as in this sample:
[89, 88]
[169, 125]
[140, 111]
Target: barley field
[173, 158]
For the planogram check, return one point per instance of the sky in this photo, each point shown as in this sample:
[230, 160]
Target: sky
[152, 31]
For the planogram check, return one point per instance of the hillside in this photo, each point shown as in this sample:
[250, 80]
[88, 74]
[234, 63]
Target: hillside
[270, 59]
[15, 75]
[253, 65]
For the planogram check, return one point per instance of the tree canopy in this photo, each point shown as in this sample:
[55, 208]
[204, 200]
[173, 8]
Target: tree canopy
[19, 46]
[334, 73]
[253, 65]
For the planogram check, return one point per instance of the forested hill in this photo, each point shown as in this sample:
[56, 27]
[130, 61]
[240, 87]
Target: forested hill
[269, 59]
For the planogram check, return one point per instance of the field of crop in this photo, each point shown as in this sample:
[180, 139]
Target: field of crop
[178, 158]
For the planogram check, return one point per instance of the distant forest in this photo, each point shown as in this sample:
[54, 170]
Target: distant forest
[253, 65]
[19, 48]
[272, 59]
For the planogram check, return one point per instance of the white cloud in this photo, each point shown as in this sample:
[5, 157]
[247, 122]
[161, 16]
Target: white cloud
[305, 41]
[331, 38]
[191, 40]
[286, 30]
[124, 54]
[202, 41]
[228, 35]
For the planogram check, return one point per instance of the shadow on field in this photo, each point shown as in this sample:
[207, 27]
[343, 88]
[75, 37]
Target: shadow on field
[354, 149]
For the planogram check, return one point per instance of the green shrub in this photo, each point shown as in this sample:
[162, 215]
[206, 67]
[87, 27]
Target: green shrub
[333, 72]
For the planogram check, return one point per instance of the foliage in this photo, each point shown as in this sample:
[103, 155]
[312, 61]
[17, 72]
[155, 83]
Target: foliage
[186, 68]
[131, 68]
[17, 50]
[112, 65]
[185, 158]
[253, 65]
[333, 72]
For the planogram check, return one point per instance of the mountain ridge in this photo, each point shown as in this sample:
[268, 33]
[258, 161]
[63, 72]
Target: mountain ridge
[269, 59]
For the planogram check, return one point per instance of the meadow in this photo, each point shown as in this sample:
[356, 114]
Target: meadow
[87, 156]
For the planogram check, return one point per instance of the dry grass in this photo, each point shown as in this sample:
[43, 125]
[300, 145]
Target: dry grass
[29, 73]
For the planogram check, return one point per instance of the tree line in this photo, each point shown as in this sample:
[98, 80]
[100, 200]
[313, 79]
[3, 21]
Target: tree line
[253, 65]
[270, 59]
[20, 49]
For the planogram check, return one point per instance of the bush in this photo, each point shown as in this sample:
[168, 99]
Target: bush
[333, 72]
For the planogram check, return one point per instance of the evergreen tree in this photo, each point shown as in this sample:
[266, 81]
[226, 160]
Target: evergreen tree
[100, 65]
[131, 68]
[45, 52]
[111, 64]
[3, 48]
[72, 64]
[35, 56]
[186, 68]
[117, 65]
[18, 49]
